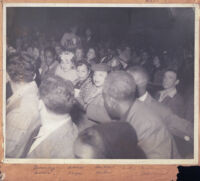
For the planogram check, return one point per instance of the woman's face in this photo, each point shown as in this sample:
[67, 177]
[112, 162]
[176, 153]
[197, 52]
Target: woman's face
[36, 53]
[88, 32]
[91, 54]
[49, 57]
[58, 50]
[66, 64]
[82, 72]
[145, 56]
[79, 54]
[156, 61]
[99, 78]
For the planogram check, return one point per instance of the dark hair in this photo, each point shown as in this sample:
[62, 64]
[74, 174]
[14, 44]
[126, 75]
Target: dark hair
[20, 67]
[80, 63]
[50, 49]
[95, 50]
[91, 137]
[114, 140]
[173, 70]
[120, 85]
[57, 94]
[79, 47]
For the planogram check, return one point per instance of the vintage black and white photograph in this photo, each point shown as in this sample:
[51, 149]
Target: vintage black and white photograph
[100, 82]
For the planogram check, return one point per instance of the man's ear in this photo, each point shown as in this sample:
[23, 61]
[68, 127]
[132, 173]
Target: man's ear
[113, 102]
[177, 82]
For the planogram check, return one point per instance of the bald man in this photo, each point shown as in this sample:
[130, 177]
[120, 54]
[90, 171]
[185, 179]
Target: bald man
[180, 128]
[120, 102]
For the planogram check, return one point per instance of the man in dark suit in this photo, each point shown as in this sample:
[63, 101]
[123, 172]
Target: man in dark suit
[169, 96]
[120, 102]
[179, 127]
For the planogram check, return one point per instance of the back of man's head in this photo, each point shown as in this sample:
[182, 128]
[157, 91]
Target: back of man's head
[140, 75]
[57, 94]
[20, 68]
[120, 86]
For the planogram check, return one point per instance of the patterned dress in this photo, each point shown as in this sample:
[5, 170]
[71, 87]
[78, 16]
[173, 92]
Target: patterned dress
[87, 91]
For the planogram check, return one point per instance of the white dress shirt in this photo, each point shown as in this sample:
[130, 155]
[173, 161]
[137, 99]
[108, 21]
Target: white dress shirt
[168, 92]
[143, 97]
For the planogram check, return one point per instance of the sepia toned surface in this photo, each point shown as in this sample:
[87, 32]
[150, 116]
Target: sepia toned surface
[65, 172]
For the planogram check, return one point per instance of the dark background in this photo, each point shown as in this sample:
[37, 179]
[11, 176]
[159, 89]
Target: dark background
[158, 27]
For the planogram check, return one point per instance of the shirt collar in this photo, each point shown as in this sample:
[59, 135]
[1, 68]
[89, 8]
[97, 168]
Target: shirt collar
[167, 93]
[171, 92]
[51, 119]
[50, 125]
[132, 107]
[143, 97]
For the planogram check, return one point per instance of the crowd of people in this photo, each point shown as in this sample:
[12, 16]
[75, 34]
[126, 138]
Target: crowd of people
[71, 96]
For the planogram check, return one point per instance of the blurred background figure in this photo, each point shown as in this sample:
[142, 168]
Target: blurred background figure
[49, 62]
[79, 55]
[70, 40]
[91, 56]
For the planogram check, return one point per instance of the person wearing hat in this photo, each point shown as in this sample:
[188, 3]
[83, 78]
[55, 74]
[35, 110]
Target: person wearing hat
[95, 108]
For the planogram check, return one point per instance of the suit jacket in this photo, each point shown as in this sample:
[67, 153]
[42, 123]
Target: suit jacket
[22, 118]
[177, 126]
[59, 144]
[176, 103]
[153, 136]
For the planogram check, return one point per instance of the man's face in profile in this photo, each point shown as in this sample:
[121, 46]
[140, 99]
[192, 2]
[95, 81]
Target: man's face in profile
[111, 106]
